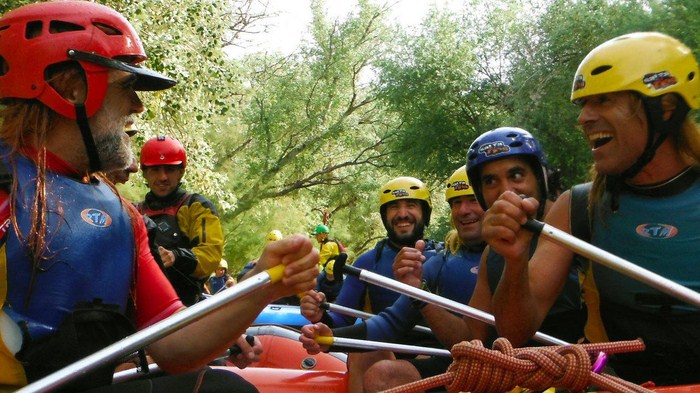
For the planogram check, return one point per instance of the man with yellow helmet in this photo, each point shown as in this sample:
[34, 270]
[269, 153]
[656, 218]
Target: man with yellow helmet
[220, 279]
[405, 209]
[635, 92]
[452, 273]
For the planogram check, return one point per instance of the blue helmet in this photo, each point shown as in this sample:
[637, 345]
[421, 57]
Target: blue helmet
[505, 142]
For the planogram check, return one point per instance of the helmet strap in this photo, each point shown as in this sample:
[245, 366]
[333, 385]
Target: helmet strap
[659, 130]
[88, 140]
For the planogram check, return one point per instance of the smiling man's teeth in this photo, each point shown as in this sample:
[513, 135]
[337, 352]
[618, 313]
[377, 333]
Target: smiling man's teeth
[599, 135]
[599, 138]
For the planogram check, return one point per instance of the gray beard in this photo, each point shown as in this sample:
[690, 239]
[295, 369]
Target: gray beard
[113, 154]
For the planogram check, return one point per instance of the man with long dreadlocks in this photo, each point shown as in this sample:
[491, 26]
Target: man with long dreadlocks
[635, 92]
[76, 271]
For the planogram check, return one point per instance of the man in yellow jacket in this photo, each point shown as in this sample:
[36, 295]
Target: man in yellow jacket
[189, 238]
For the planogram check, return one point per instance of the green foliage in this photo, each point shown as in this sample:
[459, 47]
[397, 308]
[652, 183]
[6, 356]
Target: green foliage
[274, 139]
[432, 81]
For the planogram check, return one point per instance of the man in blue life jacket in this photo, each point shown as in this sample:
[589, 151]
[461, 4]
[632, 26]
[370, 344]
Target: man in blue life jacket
[451, 273]
[220, 280]
[189, 238]
[405, 209]
[634, 93]
[76, 271]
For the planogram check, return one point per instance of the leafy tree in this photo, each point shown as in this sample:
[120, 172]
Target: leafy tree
[273, 139]
[312, 130]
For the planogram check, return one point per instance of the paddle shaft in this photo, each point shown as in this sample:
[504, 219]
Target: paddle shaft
[614, 262]
[140, 339]
[381, 346]
[362, 315]
[462, 309]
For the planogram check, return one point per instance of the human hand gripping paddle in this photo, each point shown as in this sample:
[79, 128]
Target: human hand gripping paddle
[142, 338]
[614, 262]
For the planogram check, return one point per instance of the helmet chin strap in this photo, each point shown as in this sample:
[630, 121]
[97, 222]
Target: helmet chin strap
[659, 130]
[88, 140]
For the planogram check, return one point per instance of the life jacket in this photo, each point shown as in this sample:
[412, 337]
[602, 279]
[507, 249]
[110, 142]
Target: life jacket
[164, 213]
[580, 224]
[169, 234]
[89, 259]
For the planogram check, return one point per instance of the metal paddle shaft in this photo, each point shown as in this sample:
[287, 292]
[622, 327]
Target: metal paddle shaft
[462, 309]
[351, 312]
[141, 339]
[614, 262]
[381, 346]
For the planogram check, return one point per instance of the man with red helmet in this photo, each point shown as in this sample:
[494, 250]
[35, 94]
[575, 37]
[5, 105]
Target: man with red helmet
[76, 272]
[189, 239]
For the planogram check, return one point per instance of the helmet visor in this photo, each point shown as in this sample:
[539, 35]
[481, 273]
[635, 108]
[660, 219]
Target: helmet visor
[148, 80]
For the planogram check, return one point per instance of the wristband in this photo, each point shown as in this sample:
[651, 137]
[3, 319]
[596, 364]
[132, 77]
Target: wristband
[418, 304]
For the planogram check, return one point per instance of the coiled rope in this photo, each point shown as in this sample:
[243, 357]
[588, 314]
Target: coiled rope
[477, 369]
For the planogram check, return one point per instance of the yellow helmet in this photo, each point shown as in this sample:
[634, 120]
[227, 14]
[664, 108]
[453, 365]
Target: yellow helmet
[650, 63]
[274, 235]
[329, 268]
[458, 184]
[405, 188]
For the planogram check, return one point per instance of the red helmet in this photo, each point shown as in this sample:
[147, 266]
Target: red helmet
[36, 36]
[163, 150]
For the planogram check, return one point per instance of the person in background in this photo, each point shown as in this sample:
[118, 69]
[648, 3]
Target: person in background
[331, 262]
[76, 270]
[272, 236]
[329, 249]
[220, 280]
[635, 93]
[189, 238]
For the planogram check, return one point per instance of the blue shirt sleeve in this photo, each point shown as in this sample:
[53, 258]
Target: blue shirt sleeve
[352, 291]
[394, 321]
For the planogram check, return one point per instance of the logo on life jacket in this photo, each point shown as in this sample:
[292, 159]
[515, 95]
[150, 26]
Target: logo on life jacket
[657, 231]
[96, 218]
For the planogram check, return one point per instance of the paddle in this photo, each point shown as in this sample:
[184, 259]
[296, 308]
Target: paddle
[614, 262]
[140, 339]
[351, 312]
[381, 346]
[462, 309]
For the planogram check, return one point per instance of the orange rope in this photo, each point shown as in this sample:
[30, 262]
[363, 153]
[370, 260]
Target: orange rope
[477, 369]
